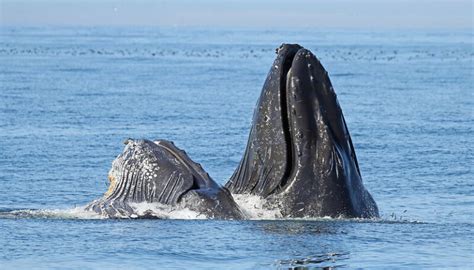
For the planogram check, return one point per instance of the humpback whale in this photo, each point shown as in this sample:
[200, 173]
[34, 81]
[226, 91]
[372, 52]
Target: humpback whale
[299, 154]
[158, 172]
[299, 158]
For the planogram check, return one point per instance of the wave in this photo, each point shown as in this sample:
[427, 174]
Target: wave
[72, 213]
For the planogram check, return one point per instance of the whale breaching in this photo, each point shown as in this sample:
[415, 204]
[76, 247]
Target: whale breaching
[299, 157]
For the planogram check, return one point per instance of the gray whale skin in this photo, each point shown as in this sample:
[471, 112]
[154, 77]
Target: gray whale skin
[299, 157]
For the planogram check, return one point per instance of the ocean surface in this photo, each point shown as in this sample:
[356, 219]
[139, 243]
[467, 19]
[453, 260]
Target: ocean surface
[70, 96]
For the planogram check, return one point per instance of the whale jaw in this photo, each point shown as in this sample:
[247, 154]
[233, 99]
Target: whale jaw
[300, 154]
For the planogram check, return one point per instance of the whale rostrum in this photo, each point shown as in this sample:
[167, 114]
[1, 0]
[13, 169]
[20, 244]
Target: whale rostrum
[299, 157]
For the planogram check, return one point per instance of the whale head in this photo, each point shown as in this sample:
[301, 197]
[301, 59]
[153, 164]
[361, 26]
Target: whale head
[299, 153]
[158, 172]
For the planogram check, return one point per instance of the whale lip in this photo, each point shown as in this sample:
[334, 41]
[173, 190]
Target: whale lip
[287, 52]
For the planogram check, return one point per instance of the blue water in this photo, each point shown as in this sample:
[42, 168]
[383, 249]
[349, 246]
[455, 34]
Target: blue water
[70, 96]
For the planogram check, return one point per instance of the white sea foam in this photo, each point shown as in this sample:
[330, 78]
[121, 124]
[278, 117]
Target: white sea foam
[256, 208]
[80, 213]
[150, 210]
[72, 213]
[252, 206]
[164, 211]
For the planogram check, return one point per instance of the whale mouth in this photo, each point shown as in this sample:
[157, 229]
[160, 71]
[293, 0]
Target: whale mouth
[284, 79]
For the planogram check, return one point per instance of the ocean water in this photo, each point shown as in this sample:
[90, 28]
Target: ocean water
[70, 96]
